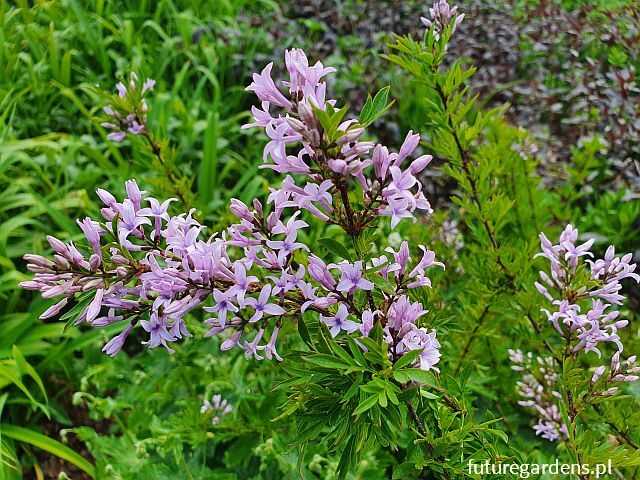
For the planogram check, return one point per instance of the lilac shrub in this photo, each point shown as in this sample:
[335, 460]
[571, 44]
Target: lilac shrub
[371, 349]
[146, 269]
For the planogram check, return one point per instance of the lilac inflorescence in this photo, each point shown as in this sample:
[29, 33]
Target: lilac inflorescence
[389, 187]
[440, 15]
[583, 292]
[575, 285]
[537, 388]
[134, 119]
[218, 406]
[146, 268]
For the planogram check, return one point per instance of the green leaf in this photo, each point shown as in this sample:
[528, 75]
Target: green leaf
[72, 315]
[382, 283]
[357, 352]
[333, 246]
[49, 445]
[347, 459]
[366, 404]
[404, 470]
[25, 367]
[407, 359]
[304, 331]
[328, 361]
[420, 376]
[375, 108]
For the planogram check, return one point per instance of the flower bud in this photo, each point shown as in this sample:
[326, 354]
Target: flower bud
[597, 374]
[38, 260]
[231, 342]
[296, 125]
[257, 207]
[106, 197]
[94, 262]
[119, 259]
[57, 245]
[54, 309]
[240, 210]
[615, 362]
[305, 112]
[350, 136]
[420, 164]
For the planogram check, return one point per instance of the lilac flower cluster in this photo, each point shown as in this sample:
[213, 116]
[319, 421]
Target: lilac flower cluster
[441, 15]
[538, 390]
[583, 296]
[388, 188]
[399, 316]
[158, 265]
[220, 408]
[575, 285]
[618, 372]
[144, 267]
[131, 117]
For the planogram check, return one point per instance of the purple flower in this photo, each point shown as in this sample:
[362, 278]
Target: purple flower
[352, 278]
[397, 209]
[115, 344]
[262, 306]
[252, 348]
[220, 408]
[224, 304]
[92, 231]
[266, 90]
[242, 282]
[270, 348]
[320, 273]
[368, 320]
[158, 333]
[157, 211]
[148, 85]
[339, 322]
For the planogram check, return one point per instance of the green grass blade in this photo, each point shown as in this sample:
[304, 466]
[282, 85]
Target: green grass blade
[48, 444]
